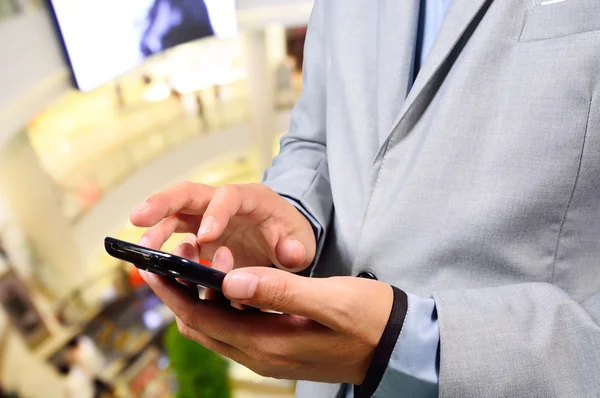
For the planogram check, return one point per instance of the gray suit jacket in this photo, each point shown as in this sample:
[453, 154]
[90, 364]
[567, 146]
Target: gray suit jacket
[480, 188]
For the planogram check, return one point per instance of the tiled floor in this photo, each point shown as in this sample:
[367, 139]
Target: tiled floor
[261, 394]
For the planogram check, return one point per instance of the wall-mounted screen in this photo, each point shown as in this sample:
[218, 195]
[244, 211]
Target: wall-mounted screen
[105, 38]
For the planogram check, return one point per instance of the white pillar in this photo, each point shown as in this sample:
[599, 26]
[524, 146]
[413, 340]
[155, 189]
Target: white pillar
[33, 203]
[276, 45]
[260, 87]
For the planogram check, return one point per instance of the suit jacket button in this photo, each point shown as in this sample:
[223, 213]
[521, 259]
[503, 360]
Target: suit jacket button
[367, 275]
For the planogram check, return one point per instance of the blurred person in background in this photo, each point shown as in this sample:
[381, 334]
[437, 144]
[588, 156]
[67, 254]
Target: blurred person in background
[3, 253]
[120, 96]
[78, 383]
[200, 109]
[6, 394]
[440, 182]
[217, 91]
[174, 22]
[83, 355]
[284, 81]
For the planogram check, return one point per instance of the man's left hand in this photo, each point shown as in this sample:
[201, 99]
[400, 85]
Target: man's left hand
[328, 331]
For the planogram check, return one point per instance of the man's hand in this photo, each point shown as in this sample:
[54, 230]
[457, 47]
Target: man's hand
[258, 226]
[328, 331]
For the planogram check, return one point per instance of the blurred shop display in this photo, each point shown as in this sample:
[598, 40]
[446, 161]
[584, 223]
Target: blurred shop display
[82, 370]
[137, 29]
[296, 38]
[117, 347]
[288, 74]
[21, 310]
[149, 377]
[93, 295]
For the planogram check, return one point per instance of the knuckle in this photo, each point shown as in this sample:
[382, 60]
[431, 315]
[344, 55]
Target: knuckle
[278, 351]
[148, 235]
[269, 364]
[183, 185]
[261, 188]
[344, 311]
[277, 296]
[259, 348]
[265, 370]
[343, 316]
[184, 330]
[246, 343]
[228, 190]
[187, 319]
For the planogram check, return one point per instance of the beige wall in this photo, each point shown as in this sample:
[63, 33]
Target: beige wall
[33, 71]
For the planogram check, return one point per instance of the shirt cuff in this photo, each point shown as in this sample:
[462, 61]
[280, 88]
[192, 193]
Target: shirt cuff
[317, 228]
[406, 362]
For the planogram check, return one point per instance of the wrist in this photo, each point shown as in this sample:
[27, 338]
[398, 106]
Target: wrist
[382, 353]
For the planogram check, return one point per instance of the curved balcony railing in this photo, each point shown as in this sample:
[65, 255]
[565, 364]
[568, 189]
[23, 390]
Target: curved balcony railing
[9, 8]
[148, 133]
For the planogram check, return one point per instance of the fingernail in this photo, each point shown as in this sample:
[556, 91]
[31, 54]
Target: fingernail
[207, 225]
[218, 258]
[241, 286]
[144, 242]
[141, 208]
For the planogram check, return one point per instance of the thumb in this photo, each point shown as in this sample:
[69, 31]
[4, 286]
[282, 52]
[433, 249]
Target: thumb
[281, 291]
[292, 255]
[296, 251]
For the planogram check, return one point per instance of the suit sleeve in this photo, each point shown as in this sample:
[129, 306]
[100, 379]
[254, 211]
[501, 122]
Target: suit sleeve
[529, 340]
[406, 361]
[300, 171]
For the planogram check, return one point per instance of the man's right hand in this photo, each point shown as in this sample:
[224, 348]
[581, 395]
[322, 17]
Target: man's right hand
[257, 225]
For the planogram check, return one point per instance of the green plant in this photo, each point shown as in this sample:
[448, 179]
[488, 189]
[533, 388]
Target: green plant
[200, 373]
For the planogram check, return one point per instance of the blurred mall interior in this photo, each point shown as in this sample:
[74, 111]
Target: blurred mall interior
[74, 163]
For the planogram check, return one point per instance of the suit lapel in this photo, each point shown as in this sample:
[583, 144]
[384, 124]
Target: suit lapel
[397, 31]
[463, 14]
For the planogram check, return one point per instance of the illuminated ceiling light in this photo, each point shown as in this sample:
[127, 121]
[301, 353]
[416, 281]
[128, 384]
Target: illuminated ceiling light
[156, 93]
[65, 146]
[152, 320]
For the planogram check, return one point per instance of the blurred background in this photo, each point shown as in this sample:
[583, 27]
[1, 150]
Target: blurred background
[102, 103]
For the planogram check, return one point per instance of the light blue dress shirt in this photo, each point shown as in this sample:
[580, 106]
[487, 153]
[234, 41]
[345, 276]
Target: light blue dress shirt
[413, 370]
[433, 13]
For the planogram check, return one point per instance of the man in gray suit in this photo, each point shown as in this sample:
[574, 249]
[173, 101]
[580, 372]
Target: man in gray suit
[468, 199]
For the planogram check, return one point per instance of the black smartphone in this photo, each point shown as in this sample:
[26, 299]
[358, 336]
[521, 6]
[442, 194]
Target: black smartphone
[165, 264]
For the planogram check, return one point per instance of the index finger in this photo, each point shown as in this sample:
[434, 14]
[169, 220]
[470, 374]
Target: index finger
[184, 197]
